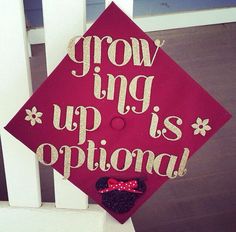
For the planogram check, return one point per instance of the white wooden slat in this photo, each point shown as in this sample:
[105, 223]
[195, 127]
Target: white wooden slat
[187, 19]
[21, 166]
[51, 219]
[67, 196]
[63, 20]
[178, 20]
[48, 219]
[22, 173]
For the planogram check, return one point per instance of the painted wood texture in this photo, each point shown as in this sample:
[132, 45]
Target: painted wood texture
[21, 165]
[48, 218]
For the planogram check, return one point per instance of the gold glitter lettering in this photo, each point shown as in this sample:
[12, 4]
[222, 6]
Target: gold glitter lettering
[122, 92]
[86, 55]
[69, 125]
[139, 160]
[170, 166]
[146, 92]
[114, 159]
[112, 52]
[174, 129]
[66, 150]
[53, 153]
[90, 160]
[182, 166]
[82, 111]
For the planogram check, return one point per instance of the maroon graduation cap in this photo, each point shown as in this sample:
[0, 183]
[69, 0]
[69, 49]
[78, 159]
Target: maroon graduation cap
[117, 117]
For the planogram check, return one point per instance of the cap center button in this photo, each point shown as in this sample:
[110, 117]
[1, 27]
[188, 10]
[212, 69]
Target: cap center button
[117, 123]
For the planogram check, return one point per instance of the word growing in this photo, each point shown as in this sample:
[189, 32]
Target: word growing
[121, 159]
[94, 49]
[97, 46]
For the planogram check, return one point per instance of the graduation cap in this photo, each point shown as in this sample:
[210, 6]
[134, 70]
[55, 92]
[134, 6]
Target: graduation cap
[117, 117]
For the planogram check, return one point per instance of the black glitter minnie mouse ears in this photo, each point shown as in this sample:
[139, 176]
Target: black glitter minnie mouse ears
[120, 195]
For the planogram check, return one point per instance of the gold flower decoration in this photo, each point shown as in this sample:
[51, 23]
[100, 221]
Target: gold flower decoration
[33, 116]
[201, 126]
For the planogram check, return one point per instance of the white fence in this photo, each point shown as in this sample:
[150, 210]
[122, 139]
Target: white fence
[63, 19]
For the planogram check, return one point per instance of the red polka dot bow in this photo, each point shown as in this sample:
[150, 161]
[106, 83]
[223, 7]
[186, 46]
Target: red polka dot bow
[128, 186]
